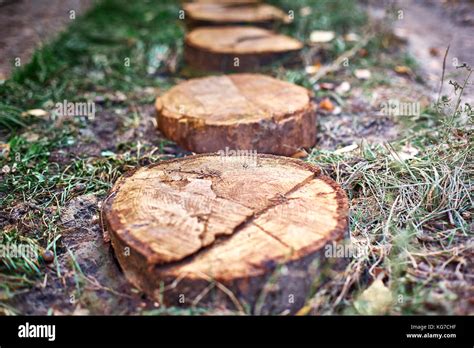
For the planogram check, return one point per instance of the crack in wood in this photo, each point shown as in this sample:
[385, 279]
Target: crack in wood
[272, 236]
[249, 220]
[251, 37]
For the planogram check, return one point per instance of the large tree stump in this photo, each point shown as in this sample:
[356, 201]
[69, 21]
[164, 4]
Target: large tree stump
[207, 14]
[237, 48]
[241, 111]
[241, 231]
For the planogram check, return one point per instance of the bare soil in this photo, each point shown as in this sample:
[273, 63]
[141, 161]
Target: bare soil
[429, 26]
[27, 24]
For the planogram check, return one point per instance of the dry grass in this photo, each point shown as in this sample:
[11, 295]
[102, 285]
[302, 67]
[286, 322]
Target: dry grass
[413, 215]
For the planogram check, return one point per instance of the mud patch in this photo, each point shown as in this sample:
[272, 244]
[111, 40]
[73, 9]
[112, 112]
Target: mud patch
[26, 24]
[429, 26]
[85, 278]
[116, 127]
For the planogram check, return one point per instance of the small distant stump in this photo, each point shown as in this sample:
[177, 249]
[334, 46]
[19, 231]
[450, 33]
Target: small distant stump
[240, 111]
[207, 14]
[237, 48]
[244, 232]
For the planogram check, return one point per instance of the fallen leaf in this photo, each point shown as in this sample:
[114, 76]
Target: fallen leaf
[344, 87]
[107, 153]
[363, 52]
[375, 300]
[401, 34]
[37, 113]
[337, 110]
[326, 85]
[305, 11]
[4, 150]
[319, 36]
[434, 51]
[326, 104]
[312, 69]
[346, 149]
[402, 69]
[352, 37]
[362, 74]
[304, 310]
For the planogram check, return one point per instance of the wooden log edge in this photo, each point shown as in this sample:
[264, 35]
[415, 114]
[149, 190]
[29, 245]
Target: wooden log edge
[207, 59]
[248, 289]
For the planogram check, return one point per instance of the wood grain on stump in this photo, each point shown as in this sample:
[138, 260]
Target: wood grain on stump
[236, 48]
[239, 111]
[239, 231]
[202, 14]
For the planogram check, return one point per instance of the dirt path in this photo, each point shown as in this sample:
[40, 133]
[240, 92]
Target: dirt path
[429, 26]
[125, 127]
[26, 24]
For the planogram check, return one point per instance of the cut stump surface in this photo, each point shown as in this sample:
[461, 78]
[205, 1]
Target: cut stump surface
[236, 48]
[200, 14]
[240, 111]
[210, 228]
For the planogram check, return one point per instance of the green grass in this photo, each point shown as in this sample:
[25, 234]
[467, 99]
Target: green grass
[90, 57]
[394, 204]
[341, 16]
[410, 211]
[110, 48]
[93, 54]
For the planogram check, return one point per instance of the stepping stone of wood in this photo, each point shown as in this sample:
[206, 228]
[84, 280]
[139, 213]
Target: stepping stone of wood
[239, 111]
[201, 14]
[237, 48]
[240, 230]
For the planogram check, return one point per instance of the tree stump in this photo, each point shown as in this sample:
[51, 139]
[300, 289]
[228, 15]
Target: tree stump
[238, 230]
[240, 111]
[208, 14]
[237, 48]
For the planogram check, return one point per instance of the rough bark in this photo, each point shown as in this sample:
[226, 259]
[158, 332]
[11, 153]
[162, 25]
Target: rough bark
[208, 14]
[240, 111]
[243, 232]
[237, 48]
